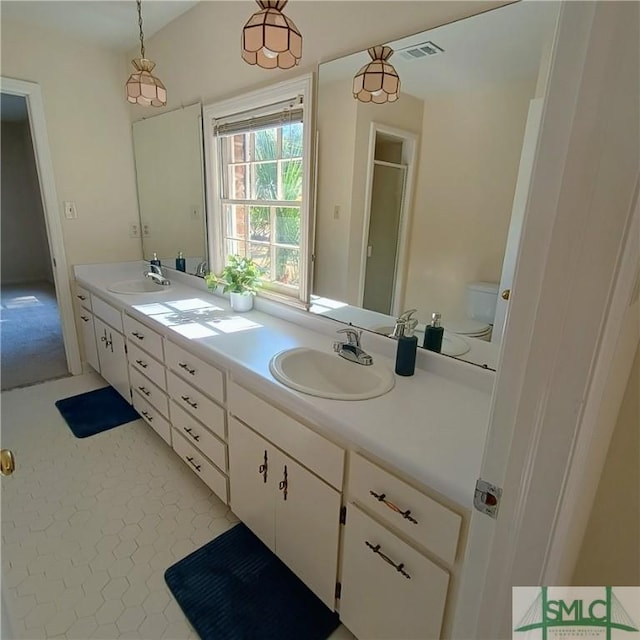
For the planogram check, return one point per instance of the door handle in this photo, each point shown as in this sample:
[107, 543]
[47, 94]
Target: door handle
[7, 462]
[505, 294]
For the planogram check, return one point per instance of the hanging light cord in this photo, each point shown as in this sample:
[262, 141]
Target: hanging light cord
[139, 3]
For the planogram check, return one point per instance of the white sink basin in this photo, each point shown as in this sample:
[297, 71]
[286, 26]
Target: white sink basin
[327, 375]
[143, 285]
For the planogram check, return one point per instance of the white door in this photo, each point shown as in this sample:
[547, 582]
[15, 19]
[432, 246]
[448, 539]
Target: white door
[523, 181]
[307, 526]
[583, 188]
[252, 470]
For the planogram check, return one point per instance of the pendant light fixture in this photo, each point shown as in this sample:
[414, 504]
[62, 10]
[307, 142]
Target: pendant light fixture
[142, 86]
[377, 81]
[270, 39]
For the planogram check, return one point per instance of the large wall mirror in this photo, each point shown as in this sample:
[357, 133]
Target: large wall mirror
[169, 174]
[420, 201]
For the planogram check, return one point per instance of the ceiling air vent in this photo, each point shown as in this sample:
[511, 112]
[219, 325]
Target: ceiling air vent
[422, 50]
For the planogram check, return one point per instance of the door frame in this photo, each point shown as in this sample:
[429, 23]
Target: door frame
[409, 139]
[573, 263]
[32, 93]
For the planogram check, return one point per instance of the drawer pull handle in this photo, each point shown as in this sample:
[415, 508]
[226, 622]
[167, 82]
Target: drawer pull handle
[137, 335]
[381, 497]
[197, 467]
[185, 366]
[264, 467]
[190, 402]
[189, 430]
[142, 363]
[85, 318]
[145, 391]
[398, 567]
[284, 483]
[82, 297]
[147, 416]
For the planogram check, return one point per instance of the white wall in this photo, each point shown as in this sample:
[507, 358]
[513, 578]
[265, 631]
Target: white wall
[89, 133]
[24, 251]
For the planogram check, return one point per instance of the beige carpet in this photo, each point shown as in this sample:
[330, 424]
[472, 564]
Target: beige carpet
[31, 345]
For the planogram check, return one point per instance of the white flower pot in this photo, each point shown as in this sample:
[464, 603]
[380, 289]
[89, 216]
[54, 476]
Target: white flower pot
[241, 301]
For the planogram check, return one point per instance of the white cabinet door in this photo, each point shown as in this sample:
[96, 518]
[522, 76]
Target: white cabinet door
[251, 481]
[87, 330]
[389, 590]
[113, 358]
[307, 526]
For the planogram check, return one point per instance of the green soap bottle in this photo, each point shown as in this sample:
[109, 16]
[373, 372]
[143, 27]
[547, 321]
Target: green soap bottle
[433, 334]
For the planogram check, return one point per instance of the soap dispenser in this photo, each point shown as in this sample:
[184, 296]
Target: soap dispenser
[407, 344]
[181, 264]
[433, 334]
[155, 260]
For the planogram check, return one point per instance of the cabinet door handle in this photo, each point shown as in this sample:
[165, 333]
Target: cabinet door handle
[284, 484]
[398, 567]
[142, 363]
[193, 464]
[110, 341]
[190, 402]
[381, 497]
[189, 430]
[185, 366]
[147, 416]
[145, 391]
[135, 334]
[264, 467]
[81, 297]
[85, 318]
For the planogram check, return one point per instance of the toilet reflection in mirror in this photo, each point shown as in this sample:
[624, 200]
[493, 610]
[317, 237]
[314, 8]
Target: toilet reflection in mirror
[420, 203]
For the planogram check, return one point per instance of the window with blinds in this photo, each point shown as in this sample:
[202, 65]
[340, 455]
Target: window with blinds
[261, 183]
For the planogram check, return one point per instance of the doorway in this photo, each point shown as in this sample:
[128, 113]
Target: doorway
[389, 186]
[35, 258]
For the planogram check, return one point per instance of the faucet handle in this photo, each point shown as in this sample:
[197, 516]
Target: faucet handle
[353, 336]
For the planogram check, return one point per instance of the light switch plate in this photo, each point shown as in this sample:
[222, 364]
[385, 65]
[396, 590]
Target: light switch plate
[70, 211]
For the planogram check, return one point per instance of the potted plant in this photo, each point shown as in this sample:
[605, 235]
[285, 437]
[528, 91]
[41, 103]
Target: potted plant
[240, 278]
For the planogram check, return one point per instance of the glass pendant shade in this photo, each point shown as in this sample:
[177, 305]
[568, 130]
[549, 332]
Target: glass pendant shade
[377, 81]
[143, 87]
[270, 39]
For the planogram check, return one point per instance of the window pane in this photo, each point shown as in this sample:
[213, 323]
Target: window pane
[239, 145]
[265, 181]
[266, 144]
[260, 224]
[234, 220]
[235, 248]
[292, 140]
[261, 255]
[288, 225]
[238, 175]
[288, 266]
[291, 187]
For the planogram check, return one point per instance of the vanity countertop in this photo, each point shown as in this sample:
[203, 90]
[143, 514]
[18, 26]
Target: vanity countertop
[430, 426]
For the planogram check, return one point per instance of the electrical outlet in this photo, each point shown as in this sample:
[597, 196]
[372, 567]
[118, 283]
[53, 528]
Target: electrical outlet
[134, 230]
[146, 232]
[70, 211]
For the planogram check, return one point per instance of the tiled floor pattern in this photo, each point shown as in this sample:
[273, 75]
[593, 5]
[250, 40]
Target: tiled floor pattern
[89, 526]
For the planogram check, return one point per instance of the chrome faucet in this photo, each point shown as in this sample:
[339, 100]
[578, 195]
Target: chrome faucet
[403, 322]
[155, 273]
[350, 349]
[201, 269]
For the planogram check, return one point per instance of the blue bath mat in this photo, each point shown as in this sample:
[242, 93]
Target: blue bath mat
[234, 588]
[96, 411]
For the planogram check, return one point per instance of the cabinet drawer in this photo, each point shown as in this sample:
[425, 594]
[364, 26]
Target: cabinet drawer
[149, 391]
[143, 337]
[106, 312]
[208, 473]
[312, 450]
[199, 436]
[199, 373]
[192, 400]
[423, 519]
[83, 297]
[378, 601]
[147, 365]
[153, 418]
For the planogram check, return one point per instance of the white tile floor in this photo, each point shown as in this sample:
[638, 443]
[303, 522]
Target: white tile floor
[89, 526]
